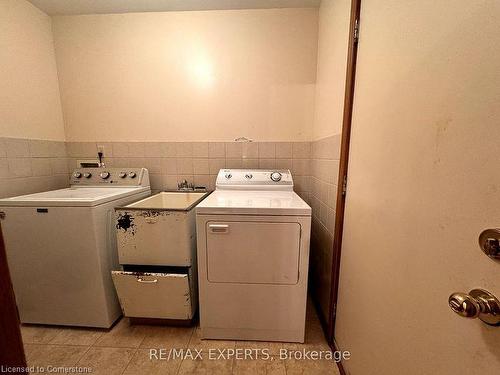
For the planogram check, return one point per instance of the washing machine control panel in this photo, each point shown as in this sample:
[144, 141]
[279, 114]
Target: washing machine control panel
[254, 179]
[110, 176]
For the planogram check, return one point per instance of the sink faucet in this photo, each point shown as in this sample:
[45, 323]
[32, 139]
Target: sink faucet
[184, 185]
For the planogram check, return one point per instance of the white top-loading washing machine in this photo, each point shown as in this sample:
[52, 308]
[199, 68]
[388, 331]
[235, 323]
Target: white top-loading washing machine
[253, 237]
[61, 247]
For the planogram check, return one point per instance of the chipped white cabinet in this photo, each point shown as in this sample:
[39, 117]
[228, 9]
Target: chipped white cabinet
[156, 295]
[156, 242]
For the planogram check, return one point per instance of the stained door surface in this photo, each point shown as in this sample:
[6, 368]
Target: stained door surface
[423, 183]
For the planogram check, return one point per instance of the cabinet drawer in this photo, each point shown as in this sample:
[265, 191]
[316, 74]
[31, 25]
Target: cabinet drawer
[155, 295]
[163, 238]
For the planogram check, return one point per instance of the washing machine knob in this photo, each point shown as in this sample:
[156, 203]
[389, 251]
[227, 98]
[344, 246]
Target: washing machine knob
[87, 175]
[132, 174]
[248, 176]
[104, 175]
[77, 175]
[228, 175]
[276, 176]
[122, 174]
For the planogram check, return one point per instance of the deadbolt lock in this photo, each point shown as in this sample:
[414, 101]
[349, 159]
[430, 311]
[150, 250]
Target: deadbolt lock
[478, 303]
[489, 242]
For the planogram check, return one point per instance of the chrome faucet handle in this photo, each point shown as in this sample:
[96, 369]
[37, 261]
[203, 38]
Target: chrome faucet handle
[478, 303]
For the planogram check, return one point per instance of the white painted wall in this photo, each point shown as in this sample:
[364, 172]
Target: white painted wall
[422, 185]
[188, 76]
[30, 105]
[329, 103]
[333, 38]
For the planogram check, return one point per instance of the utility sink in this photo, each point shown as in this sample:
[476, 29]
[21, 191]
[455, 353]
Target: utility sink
[183, 201]
[158, 230]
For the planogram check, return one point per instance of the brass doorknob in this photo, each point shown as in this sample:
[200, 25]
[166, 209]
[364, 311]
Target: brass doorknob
[478, 303]
[464, 305]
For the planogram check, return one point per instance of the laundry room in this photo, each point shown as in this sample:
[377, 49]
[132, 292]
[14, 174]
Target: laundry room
[236, 186]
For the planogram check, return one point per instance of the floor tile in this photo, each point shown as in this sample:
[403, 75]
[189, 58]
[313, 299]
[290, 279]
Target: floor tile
[38, 334]
[271, 366]
[53, 355]
[77, 336]
[206, 366]
[167, 337]
[108, 361]
[272, 348]
[311, 367]
[199, 343]
[123, 335]
[142, 363]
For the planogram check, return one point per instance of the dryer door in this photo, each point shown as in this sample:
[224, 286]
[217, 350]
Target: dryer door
[253, 252]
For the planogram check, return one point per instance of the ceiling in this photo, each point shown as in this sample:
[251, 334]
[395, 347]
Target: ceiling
[68, 7]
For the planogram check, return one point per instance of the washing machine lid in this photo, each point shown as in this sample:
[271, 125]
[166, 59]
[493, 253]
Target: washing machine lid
[72, 197]
[256, 202]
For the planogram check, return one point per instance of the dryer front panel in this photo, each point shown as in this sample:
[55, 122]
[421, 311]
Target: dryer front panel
[249, 252]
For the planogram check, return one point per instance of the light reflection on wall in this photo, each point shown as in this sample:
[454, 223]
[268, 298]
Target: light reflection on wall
[202, 73]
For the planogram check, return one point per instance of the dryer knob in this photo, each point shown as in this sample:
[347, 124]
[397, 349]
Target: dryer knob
[122, 174]
[228, 175]
[104, 175]
[77, 175]
[87, 175]
[132, 174]
[276, 176]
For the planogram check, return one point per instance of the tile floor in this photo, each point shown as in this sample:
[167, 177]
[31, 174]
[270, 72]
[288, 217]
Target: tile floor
[124, 349]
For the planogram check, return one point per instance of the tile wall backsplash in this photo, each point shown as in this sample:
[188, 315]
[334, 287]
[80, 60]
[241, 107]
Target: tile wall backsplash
[199, 162]
[31, 165]
[325, 154]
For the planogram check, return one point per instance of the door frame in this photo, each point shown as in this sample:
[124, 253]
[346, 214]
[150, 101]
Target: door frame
[352, 54]
[12, 353]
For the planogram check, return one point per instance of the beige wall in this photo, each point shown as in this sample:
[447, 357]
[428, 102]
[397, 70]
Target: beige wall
[32, 149]
[332, 57]
[332, 60]
[29, 96]
[188, 76]
[423, 184]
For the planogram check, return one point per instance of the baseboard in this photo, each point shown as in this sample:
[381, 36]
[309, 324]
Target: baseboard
[334, 347]
[324, 324]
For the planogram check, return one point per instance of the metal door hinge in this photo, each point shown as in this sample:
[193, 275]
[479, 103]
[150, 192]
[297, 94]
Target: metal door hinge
[356, 31]
[344, 185]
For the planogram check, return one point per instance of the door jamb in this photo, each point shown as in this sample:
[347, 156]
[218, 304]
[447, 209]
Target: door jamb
[344, 159]
[12, 352]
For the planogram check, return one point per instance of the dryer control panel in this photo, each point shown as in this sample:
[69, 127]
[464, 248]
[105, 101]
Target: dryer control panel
[254, 179]
[110, 177]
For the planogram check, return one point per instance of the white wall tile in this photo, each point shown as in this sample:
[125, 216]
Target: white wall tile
[250, 150]
[216, 150]
[19, 167]
[184, 149]
[200, 166]
[200, 149]
[215, 165]
[283, 150]
[136, 149]
[267, 150]
[169, 166]
[17, 147]
[234, 150]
